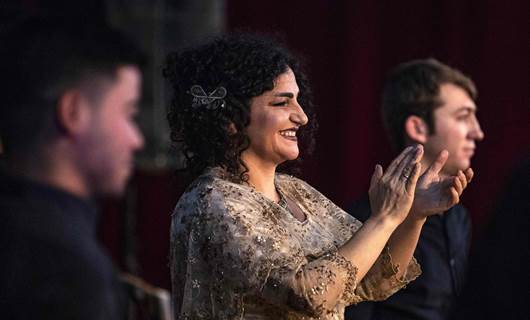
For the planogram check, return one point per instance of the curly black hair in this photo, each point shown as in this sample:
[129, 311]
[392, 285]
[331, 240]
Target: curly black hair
[246, 65]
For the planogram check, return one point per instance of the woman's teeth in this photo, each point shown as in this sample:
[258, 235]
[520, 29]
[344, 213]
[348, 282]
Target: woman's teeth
[288, 133]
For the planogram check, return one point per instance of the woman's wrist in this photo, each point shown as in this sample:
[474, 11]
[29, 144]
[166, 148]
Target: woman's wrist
[413, 220]
[382, 223]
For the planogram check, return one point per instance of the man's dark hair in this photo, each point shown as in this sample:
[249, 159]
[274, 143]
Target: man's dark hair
[413, 88]
[44, 57]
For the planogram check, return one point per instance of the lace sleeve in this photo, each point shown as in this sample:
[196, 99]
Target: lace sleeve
[381, 281]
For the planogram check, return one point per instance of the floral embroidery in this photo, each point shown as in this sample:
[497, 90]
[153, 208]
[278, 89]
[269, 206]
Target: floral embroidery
[236, 254]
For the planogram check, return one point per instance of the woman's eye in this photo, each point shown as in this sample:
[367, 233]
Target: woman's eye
[280, 104]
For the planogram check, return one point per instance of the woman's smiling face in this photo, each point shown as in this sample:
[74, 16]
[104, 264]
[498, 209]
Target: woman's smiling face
[275, 117]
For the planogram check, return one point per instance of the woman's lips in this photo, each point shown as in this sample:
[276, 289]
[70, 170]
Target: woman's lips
[289, 134]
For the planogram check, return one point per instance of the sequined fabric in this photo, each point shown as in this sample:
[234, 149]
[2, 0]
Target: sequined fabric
[237, 255]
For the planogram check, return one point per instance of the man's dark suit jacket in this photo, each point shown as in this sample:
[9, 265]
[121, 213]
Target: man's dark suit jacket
[51, 266]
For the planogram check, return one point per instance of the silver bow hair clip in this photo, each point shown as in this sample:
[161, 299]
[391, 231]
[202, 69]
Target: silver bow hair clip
[213, 100]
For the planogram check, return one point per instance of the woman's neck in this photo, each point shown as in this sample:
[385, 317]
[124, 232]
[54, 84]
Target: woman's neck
[261, 176]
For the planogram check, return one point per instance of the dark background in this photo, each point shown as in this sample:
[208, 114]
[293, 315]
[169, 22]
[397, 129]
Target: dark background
[349, 46]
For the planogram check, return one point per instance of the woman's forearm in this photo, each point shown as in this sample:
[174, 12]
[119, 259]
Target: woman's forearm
[366, 245]
[403, 242]
[363, 249]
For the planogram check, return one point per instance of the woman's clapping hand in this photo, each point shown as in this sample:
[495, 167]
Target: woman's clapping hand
[392, 192]
[436, 193]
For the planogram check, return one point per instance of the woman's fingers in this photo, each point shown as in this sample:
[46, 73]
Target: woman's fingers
[457, 185]
[455, 198]
[463, 179]
[405, 166]
[376, 176]
[404, 169]
[439, 163]
[410, 185]
[396, 186]
[392, 167]
[469, 174]
[460, 182]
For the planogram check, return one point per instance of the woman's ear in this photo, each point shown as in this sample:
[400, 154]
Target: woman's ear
[231, 128]
[416, 129]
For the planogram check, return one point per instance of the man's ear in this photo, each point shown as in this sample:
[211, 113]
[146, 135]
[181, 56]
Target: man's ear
[416, 129]
[72, 113]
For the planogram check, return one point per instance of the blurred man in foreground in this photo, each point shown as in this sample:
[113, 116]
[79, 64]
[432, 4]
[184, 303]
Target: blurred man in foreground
[69, 96]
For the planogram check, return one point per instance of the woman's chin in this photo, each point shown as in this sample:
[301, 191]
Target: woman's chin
[291, 156]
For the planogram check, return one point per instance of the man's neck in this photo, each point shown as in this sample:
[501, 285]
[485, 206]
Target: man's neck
[49, 169]
[426, 163]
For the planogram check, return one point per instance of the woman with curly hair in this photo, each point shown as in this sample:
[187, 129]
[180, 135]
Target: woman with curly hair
[249, 242]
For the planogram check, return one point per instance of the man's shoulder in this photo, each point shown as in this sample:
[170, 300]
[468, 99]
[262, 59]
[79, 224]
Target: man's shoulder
[20, 220]
[48, 272]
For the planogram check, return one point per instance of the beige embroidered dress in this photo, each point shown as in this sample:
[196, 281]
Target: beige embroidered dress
[237, 255]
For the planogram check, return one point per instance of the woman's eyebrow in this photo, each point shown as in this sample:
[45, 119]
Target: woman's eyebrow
[284, 94]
